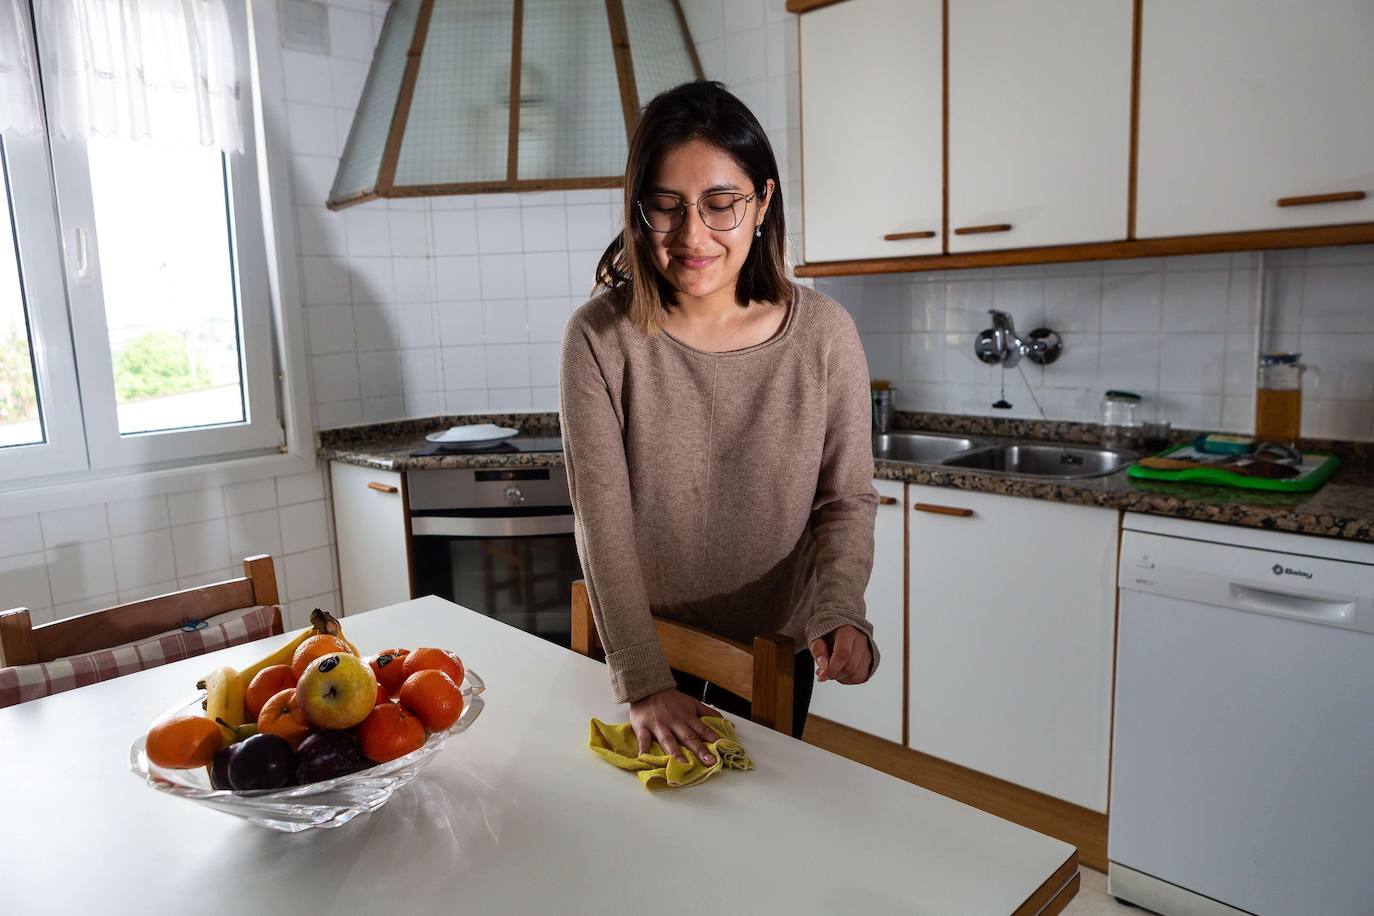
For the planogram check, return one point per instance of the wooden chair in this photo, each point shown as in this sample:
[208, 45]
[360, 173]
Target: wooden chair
[21, 643]
[762, 675]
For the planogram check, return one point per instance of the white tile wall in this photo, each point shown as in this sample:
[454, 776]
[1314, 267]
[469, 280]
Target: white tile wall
[1179, 331]
[74, 560]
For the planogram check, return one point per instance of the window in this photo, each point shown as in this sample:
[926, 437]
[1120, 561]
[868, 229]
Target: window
[135, 327]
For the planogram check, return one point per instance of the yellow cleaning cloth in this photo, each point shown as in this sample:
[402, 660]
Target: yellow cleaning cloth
[658, 770]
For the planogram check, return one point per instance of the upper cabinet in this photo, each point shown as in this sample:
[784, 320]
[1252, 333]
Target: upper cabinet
[1246, 105]
[1039, 122]
[967, 133]
[871, 137]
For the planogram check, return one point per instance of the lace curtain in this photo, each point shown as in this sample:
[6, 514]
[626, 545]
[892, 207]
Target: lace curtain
[163, 71]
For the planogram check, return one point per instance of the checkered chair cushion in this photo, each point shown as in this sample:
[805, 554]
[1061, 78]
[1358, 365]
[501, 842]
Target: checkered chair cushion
[20, 683]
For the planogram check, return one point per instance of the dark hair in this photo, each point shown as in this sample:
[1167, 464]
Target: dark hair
[700, 110]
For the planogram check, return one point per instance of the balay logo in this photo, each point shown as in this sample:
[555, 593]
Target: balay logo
[1281, 570]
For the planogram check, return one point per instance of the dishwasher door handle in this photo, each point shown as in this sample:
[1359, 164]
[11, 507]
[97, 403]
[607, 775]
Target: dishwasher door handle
[1298, 607]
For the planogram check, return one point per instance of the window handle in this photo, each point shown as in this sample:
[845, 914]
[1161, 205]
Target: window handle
[83, 257]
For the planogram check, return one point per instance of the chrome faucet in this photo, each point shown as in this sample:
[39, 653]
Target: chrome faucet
[1001, 344]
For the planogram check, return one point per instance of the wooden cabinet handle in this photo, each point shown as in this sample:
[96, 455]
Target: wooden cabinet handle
[887, 500]
[382, 487]
[903, 236]
[977, 230]
[937, 509]
[1321, 199]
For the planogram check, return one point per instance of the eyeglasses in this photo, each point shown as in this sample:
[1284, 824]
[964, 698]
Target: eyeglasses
[721, 211]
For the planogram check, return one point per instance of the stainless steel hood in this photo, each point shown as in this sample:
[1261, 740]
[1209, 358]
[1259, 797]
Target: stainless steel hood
[472, 96]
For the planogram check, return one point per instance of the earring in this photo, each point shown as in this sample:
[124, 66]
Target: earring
[758, 232]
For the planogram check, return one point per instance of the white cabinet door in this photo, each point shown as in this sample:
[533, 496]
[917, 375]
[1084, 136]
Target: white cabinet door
[1012, 612]
[870, 128]
[1244, 102]
[876, 706]
[370, 523]
[1039, 121]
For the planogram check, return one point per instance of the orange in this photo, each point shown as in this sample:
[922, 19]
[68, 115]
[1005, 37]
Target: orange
[390, 732]
[313, 648]
[182, 742]
[265, 684]
[282, 716]
[432, 696]
[387, 665]
[438, 659]
[382, 696]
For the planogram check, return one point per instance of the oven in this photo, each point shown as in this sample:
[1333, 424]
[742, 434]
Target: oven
[498, 541]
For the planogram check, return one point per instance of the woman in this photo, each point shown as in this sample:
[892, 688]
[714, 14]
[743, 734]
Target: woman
[716, 426]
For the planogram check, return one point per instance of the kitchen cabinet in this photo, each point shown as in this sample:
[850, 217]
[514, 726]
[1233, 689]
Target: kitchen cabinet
[1247, 102]
[370, 526]
[871, 129]
[1011, 616]
[1039, 122]
[876, 706]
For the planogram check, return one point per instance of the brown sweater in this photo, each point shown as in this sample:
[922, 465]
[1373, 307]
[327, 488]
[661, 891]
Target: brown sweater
[731, 491]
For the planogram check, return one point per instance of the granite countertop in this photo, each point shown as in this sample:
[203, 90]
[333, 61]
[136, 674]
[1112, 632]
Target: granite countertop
[1343, 508]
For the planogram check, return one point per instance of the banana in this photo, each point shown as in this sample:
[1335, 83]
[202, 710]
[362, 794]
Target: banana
[224, 702]
[278, 656]
[321, 622]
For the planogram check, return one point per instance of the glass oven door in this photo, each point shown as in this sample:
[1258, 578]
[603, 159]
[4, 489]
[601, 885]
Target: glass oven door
[488, 564]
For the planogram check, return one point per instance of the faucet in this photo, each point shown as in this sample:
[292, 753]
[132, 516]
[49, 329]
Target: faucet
[1001, 344]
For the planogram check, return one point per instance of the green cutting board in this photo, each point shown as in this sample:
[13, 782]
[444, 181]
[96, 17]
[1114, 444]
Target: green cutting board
[1316, 470]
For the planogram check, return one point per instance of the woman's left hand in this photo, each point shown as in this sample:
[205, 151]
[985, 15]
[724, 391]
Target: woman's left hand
[842, 655]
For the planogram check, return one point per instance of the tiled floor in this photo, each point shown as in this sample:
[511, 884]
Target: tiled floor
[1093, 900]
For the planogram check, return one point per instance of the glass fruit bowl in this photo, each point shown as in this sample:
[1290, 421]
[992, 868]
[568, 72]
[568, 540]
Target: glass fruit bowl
[329, 803]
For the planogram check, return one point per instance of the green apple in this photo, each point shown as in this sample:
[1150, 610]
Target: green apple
[337, 691]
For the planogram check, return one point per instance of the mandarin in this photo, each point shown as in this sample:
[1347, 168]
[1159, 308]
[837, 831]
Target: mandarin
[182, 742]
[313, 648]
[266, 684]
[282, 716]
[432, 696]
[387, 665]
[390, 732]
[426, 658]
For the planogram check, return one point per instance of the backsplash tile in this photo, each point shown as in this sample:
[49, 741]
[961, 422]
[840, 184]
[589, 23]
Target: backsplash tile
[1179, 331]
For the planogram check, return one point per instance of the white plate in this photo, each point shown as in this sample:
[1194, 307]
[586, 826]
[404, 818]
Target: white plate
[473, 434]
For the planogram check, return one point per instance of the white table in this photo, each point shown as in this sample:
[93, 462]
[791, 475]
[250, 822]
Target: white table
[515, 816]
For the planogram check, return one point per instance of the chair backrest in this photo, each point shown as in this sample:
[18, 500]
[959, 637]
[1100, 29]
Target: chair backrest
[762, 674]
[21, 643]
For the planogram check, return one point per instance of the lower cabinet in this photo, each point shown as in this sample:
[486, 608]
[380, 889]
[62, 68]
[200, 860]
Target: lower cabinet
[876, 706]
[1012, 616]
[370, 527]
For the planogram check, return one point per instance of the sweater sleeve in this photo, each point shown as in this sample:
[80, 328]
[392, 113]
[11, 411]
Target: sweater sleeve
[846, 504]
[599, 484]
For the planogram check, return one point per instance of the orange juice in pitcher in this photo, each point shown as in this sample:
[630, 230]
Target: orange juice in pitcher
[1278, 398]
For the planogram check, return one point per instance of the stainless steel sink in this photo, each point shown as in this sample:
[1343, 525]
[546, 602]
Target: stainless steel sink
[1050, 461]
[922, 448]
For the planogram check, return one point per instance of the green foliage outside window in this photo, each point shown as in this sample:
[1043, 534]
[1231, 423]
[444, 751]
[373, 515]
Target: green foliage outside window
[18, 397]
[156, 363]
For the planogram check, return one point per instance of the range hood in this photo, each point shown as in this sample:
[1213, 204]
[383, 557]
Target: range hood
[473, 96]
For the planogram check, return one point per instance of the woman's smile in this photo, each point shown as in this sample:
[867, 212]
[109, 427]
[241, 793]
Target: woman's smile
[696, 263]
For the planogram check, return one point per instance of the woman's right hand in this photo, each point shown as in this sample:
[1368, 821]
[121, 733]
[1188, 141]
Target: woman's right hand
[673, 719]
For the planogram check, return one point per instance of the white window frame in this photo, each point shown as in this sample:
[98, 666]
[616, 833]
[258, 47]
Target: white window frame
[107, 447]
[44, 296]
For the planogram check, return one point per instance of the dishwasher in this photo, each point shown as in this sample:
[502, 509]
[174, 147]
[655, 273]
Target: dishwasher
[1243, 758]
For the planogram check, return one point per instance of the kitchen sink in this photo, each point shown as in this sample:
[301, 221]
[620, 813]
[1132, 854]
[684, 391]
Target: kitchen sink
[1052, 461]
[922, 448]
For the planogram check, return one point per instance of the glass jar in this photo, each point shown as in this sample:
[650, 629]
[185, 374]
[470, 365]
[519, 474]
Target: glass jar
[1121, 419]
[1278, 398]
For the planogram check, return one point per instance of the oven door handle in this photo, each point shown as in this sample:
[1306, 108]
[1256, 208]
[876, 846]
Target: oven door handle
[491, 527]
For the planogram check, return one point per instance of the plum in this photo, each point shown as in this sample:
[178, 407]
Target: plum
[219, 768]
[327, 754]
[262, 762]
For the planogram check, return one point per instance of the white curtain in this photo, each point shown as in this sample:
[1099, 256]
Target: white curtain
[19, 109]
[163, 71]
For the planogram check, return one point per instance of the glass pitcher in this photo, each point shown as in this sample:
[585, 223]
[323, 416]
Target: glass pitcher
[1278, 398]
